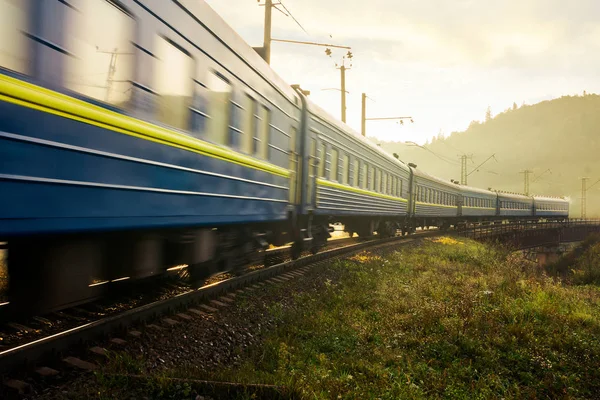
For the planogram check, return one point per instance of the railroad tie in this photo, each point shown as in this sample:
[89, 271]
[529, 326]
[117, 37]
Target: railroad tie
[155, 327]
[184, 316]
[170, 321]
[20, 386]
[19, 327]
[118, 341]
[197, 312]
[78, 363]
[46, 371]
[136, 334]
[226, 299]
[99, 351]
[208, 308]
[218, 303]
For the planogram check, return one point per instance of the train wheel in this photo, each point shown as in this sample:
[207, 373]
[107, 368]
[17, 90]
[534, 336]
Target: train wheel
[296, 250]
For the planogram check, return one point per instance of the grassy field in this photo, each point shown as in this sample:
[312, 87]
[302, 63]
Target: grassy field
[443, 318]
[447, 319]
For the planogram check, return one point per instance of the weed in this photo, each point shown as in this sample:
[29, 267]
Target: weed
[447, 319]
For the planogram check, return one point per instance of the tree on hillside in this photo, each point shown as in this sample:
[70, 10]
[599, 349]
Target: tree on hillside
[474, 123]
[515, 106]
[488, 114]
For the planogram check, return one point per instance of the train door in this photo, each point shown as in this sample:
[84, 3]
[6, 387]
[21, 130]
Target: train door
[294, 167]
[313, 163]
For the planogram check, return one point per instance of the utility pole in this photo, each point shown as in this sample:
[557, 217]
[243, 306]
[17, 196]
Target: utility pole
[343, 84]
[267, 37]
[463, 168]
[584, 196]
[363, 117]
[526, 174]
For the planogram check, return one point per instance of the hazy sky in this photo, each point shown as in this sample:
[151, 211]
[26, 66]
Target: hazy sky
[441, 61]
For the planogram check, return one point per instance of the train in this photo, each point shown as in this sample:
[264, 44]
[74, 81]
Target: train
[141, 134]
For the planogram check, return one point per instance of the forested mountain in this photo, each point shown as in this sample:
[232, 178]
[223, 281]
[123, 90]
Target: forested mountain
[559, 140]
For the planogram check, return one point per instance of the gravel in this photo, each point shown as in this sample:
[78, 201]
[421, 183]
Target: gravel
[204, 344]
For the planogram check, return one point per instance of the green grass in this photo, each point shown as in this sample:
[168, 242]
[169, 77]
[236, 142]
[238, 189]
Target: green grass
[582, 265]
[447, 319]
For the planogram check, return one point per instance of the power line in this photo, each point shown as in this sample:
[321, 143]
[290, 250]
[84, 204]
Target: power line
[434, 153]
[486, 160]
[294, 18]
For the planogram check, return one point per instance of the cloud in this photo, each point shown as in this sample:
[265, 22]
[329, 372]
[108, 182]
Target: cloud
[441, 61]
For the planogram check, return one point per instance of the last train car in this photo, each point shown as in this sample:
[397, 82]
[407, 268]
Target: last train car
[132, 131]
[551, 207]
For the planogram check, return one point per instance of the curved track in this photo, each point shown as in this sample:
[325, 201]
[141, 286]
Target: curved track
[35, 352]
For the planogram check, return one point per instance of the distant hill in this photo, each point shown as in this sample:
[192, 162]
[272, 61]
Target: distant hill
[562, 135]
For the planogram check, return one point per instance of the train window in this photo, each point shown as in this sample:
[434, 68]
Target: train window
[386, 182]
[248, 144]
[262, 145]
[392, 190]
[399, 193]
[346, 169]
[371, 178]
[323, 160]
[100, 38]
[173, 83]
[377, 180]
[333, 171]
[14, 46]
[355, 172]
[236, 121]
[363, 175]
[220, 108]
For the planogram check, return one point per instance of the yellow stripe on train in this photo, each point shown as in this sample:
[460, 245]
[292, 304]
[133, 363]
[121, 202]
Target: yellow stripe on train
[336, 185]
[32, 96]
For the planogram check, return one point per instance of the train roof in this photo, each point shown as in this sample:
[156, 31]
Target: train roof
[213, 22]
[514, 196]
[551, 199]
[471, 189]
[422, 174]
[321, 113]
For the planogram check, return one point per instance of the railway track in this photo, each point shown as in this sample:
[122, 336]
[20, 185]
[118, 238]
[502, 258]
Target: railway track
[35, 353]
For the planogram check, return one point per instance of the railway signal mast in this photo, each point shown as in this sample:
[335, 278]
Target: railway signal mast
[463, 167]
[584, 190]
[526, 174]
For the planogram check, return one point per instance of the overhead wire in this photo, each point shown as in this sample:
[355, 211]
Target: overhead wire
[294, 18]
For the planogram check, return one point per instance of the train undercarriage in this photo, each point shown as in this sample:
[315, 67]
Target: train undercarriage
[51, 273]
